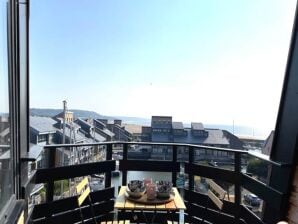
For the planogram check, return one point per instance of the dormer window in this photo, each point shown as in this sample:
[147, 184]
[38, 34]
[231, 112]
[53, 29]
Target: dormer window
[198, 130]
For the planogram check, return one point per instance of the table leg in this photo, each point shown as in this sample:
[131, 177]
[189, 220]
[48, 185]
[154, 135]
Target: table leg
[145, 217]
[122, 212]
[134, 217]
[170, 216]
[173, 216]
[118, 214]
[153, 217]
[181, 216]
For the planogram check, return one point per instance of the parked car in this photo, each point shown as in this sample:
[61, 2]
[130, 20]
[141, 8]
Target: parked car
[252, 200]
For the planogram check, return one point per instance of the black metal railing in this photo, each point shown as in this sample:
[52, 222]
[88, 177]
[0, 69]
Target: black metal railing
[233, 211]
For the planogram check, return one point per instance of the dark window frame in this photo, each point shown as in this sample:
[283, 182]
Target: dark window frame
[18, 102]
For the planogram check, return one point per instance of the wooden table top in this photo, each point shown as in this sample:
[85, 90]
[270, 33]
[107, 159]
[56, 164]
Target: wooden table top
[122, 203]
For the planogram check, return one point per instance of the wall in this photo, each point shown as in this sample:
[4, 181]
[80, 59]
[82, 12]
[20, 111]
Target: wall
[293, 208]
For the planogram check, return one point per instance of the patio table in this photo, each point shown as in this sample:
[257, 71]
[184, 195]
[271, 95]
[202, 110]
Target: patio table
[123, 203]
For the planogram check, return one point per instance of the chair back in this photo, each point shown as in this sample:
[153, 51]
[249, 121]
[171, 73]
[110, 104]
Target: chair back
[83, 190]
[216, 194]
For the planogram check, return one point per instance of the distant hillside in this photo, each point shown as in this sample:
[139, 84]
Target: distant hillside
[77, 113]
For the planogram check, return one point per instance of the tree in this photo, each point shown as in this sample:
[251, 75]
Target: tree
[57, 186]
[257, 167]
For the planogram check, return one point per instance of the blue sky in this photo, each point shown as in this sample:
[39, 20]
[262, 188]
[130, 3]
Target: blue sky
[209, 61]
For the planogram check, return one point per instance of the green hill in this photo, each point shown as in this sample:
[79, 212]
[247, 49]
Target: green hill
[46, 112]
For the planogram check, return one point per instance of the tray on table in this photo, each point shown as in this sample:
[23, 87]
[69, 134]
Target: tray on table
[143, 199]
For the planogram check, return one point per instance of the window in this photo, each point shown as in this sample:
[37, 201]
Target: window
[14, 102]
[6, 181]
[209, 152]
[42, 138]
[224, 153]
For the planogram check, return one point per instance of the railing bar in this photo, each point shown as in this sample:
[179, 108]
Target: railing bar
[109, 153]
[50, 184]
[191, 160]
[243, 175]
[236, 151]
[256, 219]
[5, 146]
[149, 143]
[73, 171]
[211, 172]
[237, 158]
[124, 172]
[174, 159]
[262, 157]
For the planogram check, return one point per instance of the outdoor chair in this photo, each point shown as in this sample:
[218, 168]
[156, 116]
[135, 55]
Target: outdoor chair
[83, 192]
[216, 195]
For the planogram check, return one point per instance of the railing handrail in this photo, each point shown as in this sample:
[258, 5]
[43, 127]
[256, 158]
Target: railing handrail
[5, 146]
[267, 159]
[236, 151]
[148, 143]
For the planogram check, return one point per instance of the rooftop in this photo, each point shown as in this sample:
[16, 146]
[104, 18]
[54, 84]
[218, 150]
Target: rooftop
[70, 135]
[197, 126]
[161, 122]
[177, 125]
[43, 125]
[98, 137]
[215, 137]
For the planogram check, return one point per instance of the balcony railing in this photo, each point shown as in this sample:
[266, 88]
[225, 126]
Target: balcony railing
[177, 159]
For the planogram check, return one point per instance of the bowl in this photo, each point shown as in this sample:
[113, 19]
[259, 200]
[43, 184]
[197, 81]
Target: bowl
[136, 188]
[163, 189]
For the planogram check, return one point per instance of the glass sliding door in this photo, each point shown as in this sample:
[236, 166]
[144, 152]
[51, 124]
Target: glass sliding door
[6, 174]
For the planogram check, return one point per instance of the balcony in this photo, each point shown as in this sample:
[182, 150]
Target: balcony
[187, 166]
[179, 160]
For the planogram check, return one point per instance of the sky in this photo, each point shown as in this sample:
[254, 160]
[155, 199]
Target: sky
[214, 61]
[4, 104]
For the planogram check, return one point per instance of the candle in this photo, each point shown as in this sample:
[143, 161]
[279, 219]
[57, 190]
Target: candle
[151, 191]
[147, 181]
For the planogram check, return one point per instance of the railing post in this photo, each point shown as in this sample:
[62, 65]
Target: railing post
[50, 184]
[174, 159]
[237, 186]
[191, 160]
[124, 172]
[109, 154]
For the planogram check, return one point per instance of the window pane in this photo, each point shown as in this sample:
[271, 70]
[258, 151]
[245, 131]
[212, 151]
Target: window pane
[6, 187]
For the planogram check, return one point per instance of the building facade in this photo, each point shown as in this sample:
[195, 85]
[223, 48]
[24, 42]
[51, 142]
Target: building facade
[164, 130]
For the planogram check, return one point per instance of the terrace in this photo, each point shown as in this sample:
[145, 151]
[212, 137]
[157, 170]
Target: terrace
[279, 197]
[234, 211]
